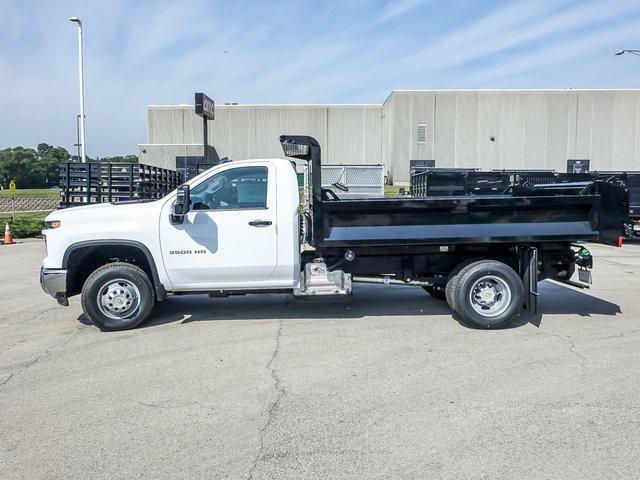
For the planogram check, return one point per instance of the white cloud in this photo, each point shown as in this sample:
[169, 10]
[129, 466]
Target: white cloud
[396, 8]
[559, 55]
[140, 53]
[516, 25]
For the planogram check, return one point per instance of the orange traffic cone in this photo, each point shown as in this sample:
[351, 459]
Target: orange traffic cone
[8, 236]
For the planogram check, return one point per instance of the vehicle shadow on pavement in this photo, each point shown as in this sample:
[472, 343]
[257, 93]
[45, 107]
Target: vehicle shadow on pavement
[557, 299]
[368, 301]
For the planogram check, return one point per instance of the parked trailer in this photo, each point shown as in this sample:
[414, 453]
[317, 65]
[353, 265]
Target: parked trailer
[631, 180]
[360, 181]
[425, 182]
[98, 182]
[238, 228]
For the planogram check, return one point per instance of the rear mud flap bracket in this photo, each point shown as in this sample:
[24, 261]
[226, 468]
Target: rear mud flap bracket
[528, 271]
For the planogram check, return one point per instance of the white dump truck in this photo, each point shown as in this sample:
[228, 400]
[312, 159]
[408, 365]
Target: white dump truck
[239, 228]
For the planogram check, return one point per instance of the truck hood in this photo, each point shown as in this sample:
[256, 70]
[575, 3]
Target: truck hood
[106, 211]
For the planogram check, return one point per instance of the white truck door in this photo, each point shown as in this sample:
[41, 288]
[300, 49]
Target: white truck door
[229, 237]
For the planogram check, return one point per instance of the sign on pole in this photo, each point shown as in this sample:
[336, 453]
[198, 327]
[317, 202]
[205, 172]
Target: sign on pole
[12, 189]
[205, 106]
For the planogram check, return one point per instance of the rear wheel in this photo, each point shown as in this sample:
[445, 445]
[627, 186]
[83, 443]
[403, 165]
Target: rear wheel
[452, 282]
[487, 294]
[117, 296]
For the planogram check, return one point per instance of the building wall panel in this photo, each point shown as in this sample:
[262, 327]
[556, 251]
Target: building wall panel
[193, 126]
[403, 138]
[531, 129]
[422, 111]
[511, 130]
[466, 143]
[625, 127]
[162, 119]
[558, 114]
[445, 130]
[534, 131]
[388, 133]
[489, 111]
[584, 108]
[602, 130]
[345, 135]
[372, 152]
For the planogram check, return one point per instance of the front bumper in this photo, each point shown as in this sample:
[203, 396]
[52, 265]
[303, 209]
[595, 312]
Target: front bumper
[54, 282]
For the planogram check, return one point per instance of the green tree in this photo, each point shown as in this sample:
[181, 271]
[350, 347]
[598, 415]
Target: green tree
[48, 159]
[38, 168]
[116, 159]
[31, 168]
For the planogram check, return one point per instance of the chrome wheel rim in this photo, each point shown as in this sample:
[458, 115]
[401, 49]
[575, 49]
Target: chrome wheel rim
[119, 299]
[490, 296]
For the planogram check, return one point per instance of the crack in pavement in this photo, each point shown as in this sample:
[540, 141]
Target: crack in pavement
[33, 317]
[618, 264]
[317, 451]
[280, 392]
[160, 405]
[572, 347]
[42, 355]
[623, 334]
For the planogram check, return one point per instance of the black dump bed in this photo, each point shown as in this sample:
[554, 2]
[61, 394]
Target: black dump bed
[598, 217]
[588, 211]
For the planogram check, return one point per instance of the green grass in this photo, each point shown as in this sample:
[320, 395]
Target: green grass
[31, 193]
[392, 190]
[26, 224]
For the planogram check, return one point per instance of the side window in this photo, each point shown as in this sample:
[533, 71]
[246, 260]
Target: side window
[242, 187]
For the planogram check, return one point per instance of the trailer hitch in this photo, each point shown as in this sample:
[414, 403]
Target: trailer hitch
[584, 258]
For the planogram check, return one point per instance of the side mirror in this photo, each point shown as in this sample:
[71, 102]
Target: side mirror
[181, 205]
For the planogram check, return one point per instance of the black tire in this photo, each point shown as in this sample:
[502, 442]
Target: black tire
[449, 289]
[483, 273]
[452, 282]
[105, 276]
[436, 291]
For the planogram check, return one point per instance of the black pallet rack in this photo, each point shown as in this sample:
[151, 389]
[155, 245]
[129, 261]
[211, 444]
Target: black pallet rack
[98, 182]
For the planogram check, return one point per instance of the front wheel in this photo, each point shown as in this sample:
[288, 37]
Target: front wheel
[117, 296]
[487, 294]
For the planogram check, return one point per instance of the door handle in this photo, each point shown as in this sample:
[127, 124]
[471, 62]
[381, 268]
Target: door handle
[260, 223]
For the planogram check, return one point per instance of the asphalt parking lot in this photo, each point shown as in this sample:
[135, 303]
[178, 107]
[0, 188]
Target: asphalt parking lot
[387, 385]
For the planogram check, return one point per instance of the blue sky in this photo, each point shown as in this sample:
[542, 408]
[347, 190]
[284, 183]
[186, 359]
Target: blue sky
[159, 52]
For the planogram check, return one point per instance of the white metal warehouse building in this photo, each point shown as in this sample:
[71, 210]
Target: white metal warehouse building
[488, 129]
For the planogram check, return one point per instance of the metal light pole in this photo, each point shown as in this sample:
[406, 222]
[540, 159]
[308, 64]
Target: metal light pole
[78, 22]
[632, 52]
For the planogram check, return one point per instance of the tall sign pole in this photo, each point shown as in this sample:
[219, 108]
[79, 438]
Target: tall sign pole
[78, 22]
[205, 107]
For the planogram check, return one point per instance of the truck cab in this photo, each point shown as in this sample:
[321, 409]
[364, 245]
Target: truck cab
[239, 232]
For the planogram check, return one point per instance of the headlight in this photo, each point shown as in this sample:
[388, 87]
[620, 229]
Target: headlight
[52, 224]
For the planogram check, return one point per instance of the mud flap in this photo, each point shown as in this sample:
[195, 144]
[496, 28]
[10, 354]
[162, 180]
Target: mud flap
[528, 271]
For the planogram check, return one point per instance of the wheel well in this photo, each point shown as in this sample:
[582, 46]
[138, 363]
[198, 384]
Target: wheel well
[82, 261]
